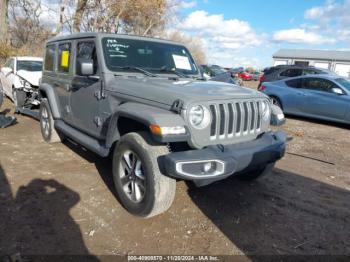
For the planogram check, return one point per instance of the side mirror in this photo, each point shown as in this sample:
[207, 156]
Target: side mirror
[85, 67]
[337, 90]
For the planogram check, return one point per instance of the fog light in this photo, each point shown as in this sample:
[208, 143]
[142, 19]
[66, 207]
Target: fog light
[207, 167]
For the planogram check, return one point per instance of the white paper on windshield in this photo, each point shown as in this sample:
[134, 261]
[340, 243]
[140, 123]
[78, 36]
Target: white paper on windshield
[182, 62]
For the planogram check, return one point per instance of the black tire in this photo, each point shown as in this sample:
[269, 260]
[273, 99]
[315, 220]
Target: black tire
[156, 191]
[48, 131]
[18, 97]
[276, 101]
[252, 175]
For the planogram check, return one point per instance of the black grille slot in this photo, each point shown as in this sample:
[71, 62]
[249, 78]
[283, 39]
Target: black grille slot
[253, 116]
[230, 118]
[222, 119]
[259, 117]
[213, 122]
[245, 108]
[239, 118]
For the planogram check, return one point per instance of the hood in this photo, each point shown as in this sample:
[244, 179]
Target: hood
[166, 91]
[32, 77]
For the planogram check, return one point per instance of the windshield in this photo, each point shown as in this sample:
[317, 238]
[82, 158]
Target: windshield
[343, 82]
[151, 56]
[218, 70]
[32, 66]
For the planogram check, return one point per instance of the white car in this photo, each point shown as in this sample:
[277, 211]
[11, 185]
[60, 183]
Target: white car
[20, 77]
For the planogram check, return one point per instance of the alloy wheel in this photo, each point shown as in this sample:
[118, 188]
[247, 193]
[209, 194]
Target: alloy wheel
[132, 176]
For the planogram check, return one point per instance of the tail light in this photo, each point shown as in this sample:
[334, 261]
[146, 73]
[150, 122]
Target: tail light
[262, 88]
[262, 78]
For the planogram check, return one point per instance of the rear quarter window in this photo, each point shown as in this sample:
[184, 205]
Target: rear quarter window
[50, 58]
[294, 83]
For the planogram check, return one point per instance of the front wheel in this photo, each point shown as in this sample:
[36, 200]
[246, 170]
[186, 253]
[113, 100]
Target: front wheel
[252, 175]
[140, 186]
[48, 131]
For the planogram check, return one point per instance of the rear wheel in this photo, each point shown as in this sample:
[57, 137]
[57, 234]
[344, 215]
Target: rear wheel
[48, 131]
[140, 186]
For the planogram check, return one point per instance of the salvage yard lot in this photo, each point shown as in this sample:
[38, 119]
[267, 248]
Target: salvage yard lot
[59, 199]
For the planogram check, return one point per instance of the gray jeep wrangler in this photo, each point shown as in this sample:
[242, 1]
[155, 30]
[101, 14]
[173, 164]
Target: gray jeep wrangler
[144, 102]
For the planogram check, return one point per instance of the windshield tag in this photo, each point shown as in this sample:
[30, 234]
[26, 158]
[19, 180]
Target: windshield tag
[182, 62]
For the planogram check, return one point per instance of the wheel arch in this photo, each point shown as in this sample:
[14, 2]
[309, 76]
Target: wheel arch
[133, 117]
[46, 91]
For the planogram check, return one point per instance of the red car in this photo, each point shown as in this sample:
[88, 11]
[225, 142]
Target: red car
[245, 76]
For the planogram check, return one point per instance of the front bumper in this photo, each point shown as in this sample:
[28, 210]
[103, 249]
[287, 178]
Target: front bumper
[225, 160]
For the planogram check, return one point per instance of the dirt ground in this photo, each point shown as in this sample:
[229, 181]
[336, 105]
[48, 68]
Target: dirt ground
[59, 199]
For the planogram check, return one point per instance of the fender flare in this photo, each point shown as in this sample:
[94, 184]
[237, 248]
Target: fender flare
[145, 115]
[45, 90]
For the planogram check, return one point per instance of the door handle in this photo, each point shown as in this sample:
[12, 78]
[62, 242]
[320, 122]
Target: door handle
[301, 94]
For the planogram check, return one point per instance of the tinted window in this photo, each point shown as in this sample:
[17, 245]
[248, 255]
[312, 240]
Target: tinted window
[318, 84]
[64, 52]
[343, 82]
[32, 66]
[9, 63]
[149, 55]
[292, 72]
[295, 83]
[311, 72]
[87, 50]
[50, 57]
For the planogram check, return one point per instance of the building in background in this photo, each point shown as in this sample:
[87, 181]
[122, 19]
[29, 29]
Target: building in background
[336, 61]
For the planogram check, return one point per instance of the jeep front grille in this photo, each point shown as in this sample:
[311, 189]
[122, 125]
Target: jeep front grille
[235, 119]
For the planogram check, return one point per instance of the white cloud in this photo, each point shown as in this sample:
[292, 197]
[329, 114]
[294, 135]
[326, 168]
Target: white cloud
[187, 4]
[300, 36]
[222, 38]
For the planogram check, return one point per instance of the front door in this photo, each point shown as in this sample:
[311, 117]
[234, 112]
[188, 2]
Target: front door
[321, 101]
[84, 97]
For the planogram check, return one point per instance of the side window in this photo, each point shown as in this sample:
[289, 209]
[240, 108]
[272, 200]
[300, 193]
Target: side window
[50, 58]
[295, 83]
[64, 52]
[292, 72]
[12, 64]
[310, 72]
[318, 84]
[87, 50]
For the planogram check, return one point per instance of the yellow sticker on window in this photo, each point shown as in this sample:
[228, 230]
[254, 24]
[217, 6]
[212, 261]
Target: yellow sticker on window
[65, 59]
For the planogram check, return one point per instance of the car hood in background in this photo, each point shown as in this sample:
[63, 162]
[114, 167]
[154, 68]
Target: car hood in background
[32, 77]
[166, 91]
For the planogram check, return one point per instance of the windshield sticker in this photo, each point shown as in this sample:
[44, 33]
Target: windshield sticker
[182, 62]
[115, 49]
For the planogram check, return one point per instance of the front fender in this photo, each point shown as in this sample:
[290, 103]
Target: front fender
[146, 115]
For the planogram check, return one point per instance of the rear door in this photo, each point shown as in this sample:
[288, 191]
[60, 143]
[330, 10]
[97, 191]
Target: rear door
[321, 101]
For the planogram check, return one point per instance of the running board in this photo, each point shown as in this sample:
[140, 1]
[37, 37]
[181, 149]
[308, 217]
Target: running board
[84, 140]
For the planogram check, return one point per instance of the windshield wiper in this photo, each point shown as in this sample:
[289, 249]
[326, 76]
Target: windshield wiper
[174, 71]
[135, 68]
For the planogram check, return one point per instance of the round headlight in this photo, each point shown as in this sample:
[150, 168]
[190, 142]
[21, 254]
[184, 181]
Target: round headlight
[199, 117]
[266, 110]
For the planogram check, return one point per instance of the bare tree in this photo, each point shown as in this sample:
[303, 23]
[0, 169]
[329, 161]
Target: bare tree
[3, 19]
[81, 7]
[195, 45]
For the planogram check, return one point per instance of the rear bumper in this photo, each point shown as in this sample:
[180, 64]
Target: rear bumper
[223, 161]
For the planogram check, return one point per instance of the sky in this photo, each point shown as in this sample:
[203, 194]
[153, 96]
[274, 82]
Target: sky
[247, 33]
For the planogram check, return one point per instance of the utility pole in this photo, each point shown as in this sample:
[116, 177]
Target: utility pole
[3, 20]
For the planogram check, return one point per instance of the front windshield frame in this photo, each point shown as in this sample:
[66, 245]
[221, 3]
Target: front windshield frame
[159, 70]
[345, 83]
[37, 65]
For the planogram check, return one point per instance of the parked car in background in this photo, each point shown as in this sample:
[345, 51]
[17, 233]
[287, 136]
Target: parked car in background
[280, 72]
[245, 76]
[325, 97]
[20, 78]
[217, 73]
[256, 76]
